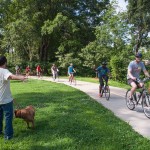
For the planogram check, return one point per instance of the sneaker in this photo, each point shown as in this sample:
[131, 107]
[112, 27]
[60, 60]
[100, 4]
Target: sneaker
[8, 137]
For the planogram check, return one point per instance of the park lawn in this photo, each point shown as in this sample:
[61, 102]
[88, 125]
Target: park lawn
[68, 119]
[96, 80]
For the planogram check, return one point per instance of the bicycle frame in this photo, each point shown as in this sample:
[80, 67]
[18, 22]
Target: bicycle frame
[72, 79]
[143, 96]
[137, 99]
[105, 91]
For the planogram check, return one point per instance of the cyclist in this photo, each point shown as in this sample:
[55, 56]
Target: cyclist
[133, 74]
[54, 71]
[38, 70]
[27, 71]
[71, 71]
[103, 72]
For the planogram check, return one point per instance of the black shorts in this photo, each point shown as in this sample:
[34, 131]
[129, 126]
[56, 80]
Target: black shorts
[102, 79]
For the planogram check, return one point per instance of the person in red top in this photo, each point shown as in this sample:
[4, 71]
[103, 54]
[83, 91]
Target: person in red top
[38, 71]
[27, 70]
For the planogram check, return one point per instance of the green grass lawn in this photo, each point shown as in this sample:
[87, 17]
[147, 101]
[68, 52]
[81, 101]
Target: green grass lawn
[68, 119]
[96, 80]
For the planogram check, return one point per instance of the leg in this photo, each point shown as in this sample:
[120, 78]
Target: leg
[69, 77]
[106, 81]
[133, 88]
[53, 75]
[27, 124]
[32, 124]
[1, 119]
[72, 78]
[8, 111]
[101, 85]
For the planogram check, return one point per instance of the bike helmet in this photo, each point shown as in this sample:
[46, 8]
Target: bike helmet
[139, 55]
[104, 63]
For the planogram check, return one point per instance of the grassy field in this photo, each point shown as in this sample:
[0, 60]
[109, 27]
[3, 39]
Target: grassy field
[68, 119]
[96, 80]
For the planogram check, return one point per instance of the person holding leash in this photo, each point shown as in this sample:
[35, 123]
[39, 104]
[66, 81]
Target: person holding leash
[6, 99]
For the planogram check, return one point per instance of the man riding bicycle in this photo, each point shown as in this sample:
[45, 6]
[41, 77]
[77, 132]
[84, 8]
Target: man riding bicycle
[133, 74]
[103, 72]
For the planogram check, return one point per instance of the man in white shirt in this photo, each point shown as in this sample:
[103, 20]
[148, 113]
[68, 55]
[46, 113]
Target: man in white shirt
[6, 100]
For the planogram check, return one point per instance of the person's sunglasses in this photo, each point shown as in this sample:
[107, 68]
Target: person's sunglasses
[139, 57]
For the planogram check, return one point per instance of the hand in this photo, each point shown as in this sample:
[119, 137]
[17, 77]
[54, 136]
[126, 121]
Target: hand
[133, 78]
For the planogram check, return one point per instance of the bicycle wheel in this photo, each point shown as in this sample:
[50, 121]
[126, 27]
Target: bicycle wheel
[57, 77]
[74, 81]
[107, 92]
[146, 106]
[130, 103]
[102, 91]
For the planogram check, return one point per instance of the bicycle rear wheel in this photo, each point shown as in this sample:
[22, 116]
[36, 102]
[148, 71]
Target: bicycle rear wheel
[75, 82]
[130, 103]
[107, 92]
[146, 106]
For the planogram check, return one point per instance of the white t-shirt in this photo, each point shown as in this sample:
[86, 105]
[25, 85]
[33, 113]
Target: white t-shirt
[5, 93]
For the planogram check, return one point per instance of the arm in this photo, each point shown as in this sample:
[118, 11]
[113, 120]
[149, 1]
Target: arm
[146, 73]
[15, 77]
[74, 70]
[130, 75]
[108, 73]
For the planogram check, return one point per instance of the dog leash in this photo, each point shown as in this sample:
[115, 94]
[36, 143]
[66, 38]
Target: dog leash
[17, 105]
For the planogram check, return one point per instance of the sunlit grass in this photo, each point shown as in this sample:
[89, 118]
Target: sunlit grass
[96, 80]
[68, 119]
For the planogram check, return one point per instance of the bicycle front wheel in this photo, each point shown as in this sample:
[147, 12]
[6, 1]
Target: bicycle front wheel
[146, 106]
[107, 93]
[130, 103]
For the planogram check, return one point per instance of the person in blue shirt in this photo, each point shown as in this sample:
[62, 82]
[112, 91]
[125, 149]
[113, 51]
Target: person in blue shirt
[71, 71]
[103, 72]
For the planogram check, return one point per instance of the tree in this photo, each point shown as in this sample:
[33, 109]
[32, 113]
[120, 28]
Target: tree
[111, 38]
[34, 30]
[139, 19]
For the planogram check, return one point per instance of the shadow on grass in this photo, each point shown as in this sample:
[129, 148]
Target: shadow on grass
[68, 119]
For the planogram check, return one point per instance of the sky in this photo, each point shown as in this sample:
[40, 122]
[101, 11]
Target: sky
[122, 4]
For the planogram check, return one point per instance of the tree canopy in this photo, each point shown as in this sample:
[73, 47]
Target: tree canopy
[82, 32]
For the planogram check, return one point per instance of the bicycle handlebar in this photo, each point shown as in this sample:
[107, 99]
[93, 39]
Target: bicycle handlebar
[144, 80]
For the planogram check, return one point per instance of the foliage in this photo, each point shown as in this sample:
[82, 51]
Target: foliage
[49, 30]
[111, 44]
[139, 19]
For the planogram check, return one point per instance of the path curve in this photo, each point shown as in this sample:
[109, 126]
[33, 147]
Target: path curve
[139, 122]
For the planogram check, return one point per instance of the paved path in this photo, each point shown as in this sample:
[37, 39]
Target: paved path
[139, 122]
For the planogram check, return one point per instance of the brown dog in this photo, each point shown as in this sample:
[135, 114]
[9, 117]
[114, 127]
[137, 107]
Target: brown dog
[27, 114]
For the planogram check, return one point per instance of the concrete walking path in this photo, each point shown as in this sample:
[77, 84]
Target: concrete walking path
[136, 118]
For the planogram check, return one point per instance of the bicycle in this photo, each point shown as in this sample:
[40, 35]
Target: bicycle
[72, 78]
[142, 97]
[55, 76]
[105, 90]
